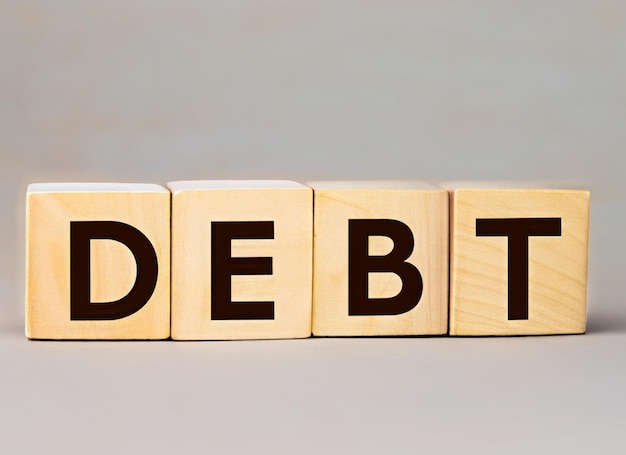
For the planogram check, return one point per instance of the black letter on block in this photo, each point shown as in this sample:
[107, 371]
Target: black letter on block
[223, 266]
[81, 234]
[518, 230]
[360, 264]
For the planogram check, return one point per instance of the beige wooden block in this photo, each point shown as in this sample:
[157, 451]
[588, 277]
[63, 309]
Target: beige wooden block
[227, 284]
[525, 275]
[357, 287]
[82, 278]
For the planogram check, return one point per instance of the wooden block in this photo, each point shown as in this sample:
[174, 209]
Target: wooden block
[518, 259]
[380, 259]
[97, 261]
[241, 260]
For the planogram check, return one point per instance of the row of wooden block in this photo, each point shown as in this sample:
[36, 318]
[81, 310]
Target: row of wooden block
[213, 260]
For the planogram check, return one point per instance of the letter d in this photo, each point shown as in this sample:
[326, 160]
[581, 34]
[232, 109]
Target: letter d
[81, 307]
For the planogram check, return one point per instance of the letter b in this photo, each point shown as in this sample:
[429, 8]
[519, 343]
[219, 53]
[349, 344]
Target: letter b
[356, 288]
[361, 264]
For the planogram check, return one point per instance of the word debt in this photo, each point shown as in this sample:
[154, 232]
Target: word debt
[220, 260]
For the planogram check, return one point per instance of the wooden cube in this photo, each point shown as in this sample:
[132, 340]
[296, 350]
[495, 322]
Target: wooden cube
[97, 261]
[380, 259]
[518, 259]
[241, 260]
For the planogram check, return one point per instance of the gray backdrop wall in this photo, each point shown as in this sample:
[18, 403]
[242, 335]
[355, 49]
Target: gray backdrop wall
[158, 90]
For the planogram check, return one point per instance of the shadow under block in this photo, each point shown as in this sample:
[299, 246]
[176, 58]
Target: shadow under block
[380, 259]
[82, 279]
[518, 260]
[241, 260]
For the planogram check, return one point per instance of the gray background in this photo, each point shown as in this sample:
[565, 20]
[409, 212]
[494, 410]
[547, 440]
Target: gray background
[153, 91]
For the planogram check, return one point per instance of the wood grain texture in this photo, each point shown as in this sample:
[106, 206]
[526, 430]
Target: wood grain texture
[557, 265]
[195, 206]
[424, 209]
[49, 210]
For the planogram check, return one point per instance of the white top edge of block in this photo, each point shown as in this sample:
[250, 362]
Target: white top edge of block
[376, 185]
[75, 187]
[513, 185]
[186, 185]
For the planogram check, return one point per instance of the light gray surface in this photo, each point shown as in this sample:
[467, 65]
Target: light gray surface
[155, 91]
[560, 394]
